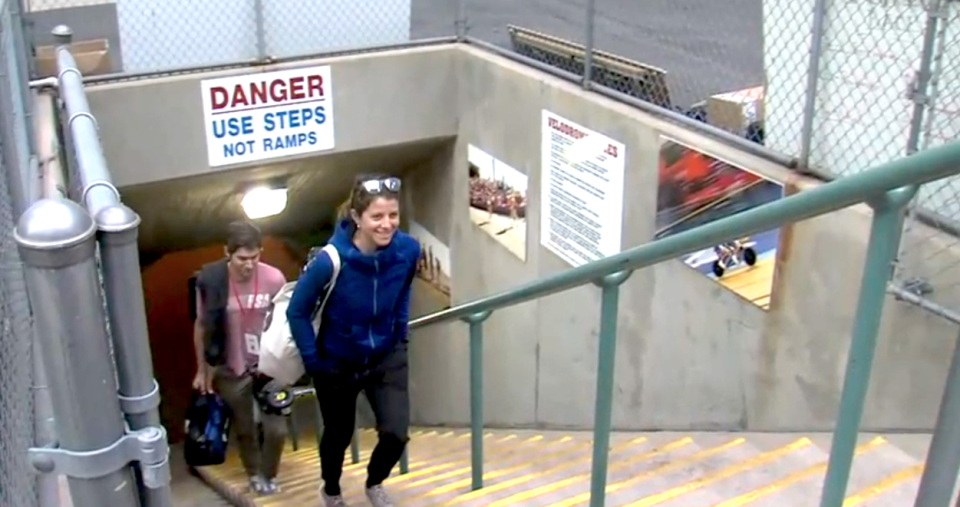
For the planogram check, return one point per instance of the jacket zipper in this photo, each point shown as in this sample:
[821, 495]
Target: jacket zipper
[376, 265]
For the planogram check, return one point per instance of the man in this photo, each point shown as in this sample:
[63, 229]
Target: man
[233, 297]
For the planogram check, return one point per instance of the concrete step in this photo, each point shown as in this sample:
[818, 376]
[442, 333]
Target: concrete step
[537, 468]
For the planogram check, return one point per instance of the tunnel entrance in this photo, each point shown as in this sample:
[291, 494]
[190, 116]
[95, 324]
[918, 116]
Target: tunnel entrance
[177, 239]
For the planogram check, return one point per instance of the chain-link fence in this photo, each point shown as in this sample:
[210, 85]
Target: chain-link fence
[17, 481]
[157, 35]
[930, 252]
[838, 87]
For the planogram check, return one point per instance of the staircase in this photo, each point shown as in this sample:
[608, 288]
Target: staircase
[537, 468]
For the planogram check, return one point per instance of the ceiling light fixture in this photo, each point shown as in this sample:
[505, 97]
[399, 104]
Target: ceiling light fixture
[264, 201]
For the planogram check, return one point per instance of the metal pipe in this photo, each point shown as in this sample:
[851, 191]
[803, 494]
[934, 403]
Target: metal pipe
[925, 166]
[45, 82]
[52, 187]
[704, 128]
[23, 67]
[260, 30]
[603, 413]
[56, 240]
[476, 398]
[813, 79]
[942, 28]
[461, 21]
[404, 462]
[885, 232]
[588, 45]
[943, 457]
[44, 426]
[120, 264]
[53, 181]
[905, 295]
[120, 259]
[920, 95]
[355, 444]
[97, 191]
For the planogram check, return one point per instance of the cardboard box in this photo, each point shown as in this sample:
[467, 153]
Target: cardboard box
[733, 111]
[92, 58]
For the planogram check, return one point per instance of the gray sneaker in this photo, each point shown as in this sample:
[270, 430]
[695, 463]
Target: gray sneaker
[378, 496]
[262, 486]
[269, 487]
[332, 501]
[256, 484]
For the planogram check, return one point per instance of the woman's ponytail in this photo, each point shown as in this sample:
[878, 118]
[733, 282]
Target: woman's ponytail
[343, 210]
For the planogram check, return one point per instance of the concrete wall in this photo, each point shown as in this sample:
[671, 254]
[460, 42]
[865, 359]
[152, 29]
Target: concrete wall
[690, 353]
[153, 130]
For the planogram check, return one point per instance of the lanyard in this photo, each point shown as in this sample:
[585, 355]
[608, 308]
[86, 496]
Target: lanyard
[253, 302]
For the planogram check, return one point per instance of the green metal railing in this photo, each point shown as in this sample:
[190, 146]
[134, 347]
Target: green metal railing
[887, 189]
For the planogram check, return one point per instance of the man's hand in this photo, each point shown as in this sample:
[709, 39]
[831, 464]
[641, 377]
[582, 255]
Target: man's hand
[203, 380]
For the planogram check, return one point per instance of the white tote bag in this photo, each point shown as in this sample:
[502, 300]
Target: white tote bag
[279, 355]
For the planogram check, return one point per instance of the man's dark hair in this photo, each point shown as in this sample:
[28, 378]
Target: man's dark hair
[242, 234]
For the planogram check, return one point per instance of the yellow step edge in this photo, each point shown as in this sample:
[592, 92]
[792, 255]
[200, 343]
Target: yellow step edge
[799, 475]
[619, 464]
[312, 472]
[493, 488]
[307, 465]
[883, 485]
[307, 489]
[723, 473]
[509, 454]
[666, 467]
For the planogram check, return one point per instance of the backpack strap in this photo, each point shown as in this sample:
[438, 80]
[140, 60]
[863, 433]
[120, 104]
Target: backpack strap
[335, 261]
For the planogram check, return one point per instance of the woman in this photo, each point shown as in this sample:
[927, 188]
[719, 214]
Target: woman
[362, 341]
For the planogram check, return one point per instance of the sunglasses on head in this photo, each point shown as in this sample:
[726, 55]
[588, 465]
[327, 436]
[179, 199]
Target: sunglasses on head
[381, 185]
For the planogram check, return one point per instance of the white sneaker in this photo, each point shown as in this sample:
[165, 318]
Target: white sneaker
[378, 496]
[332, 501]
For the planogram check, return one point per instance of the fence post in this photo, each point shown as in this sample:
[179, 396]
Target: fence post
[609, 309]
[44, 426]
[476, 397]
[885, 232]
[260, 30]
[139, 391]
[588, 46]
[23, 52]
[919, 95]
[56, 241]
[813, 80]
[461, 21]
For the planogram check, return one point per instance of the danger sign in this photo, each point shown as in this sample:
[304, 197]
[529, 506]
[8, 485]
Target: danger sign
[269, 115]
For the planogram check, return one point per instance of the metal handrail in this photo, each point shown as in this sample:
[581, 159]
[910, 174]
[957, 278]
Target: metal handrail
[887, 189]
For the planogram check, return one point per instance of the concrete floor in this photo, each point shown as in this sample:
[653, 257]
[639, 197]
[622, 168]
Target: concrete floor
[189, 490]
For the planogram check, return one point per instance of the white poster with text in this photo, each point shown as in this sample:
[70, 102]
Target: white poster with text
[581, 191]
[262, 116]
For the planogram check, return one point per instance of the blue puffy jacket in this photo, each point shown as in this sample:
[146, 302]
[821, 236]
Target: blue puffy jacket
[367, 313]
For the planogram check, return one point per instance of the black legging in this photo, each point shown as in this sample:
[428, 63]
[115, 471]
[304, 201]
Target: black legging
[385, 386]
